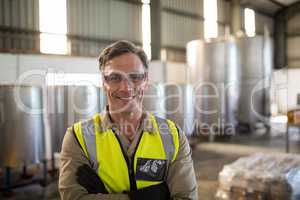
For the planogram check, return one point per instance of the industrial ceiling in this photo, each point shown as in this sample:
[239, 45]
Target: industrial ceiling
[268, 7]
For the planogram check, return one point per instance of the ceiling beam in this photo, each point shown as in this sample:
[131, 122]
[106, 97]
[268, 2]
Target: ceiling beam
[289, 11]
[277, 3]
[292, 10]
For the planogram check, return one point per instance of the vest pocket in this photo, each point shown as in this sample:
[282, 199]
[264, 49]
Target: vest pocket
[150, 169]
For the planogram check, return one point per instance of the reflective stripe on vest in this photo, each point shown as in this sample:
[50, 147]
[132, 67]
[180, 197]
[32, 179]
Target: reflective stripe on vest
[86, 135]
[105, 152]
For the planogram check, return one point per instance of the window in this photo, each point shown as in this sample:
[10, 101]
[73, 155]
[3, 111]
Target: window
[210, 19]
[249, 22]
[146, 27]
[53, 26]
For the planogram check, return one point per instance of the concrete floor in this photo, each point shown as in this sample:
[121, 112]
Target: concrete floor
[209, 159]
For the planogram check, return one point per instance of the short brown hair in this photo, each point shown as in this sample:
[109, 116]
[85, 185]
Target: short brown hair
[119, 48]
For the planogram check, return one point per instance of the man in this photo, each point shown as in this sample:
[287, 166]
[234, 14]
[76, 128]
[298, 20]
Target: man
[126, 152]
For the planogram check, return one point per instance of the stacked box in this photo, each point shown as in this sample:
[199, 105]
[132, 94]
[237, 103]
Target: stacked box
[261, 176]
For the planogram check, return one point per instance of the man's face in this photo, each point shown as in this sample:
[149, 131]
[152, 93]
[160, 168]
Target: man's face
[125, 80]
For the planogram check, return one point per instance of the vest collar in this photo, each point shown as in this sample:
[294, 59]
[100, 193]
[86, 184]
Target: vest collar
[107, 123]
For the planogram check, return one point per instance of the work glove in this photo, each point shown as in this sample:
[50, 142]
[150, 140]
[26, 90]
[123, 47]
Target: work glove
[88, 179]
[157, 192]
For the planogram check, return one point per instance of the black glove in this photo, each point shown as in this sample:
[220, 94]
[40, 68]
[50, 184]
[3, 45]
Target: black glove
[88, 179]
[157, 192]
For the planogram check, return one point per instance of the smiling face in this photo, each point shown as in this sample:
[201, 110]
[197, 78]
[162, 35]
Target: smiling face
[125, 80]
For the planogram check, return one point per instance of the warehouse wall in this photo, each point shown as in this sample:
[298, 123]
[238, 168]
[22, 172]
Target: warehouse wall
[262, 21]
[31, 66]
[35, 67]
[93, 24]
[188, 15]
[19, 25]
[293, 42]
[180, 23]
[223, 16]
[183, 21]
[286, 89]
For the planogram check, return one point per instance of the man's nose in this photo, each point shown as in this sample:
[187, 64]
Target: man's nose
[126, 85]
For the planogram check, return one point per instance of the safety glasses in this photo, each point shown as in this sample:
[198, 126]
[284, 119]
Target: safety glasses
[116, 78]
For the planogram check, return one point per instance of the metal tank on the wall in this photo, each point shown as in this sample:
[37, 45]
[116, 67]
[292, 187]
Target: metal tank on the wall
[169, 96]
[255, 55]
[231, 80]
[214, 73]
[69, 104]
[56, 111]
[179, 106]
[21, 125]
[154, 99]
[84, 102]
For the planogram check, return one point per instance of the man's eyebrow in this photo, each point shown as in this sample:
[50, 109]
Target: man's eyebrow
[120, 72]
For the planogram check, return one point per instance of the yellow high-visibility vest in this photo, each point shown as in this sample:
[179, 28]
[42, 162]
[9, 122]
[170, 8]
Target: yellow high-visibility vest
[149, 166]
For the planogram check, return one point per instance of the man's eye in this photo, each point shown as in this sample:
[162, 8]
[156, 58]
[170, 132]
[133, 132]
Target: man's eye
[113, 78]
[136, 77]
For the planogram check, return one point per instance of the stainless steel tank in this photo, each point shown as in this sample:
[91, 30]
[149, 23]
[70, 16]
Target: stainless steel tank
[84, 102]
[21, 125]
[57, 115]
[213, 71]
[179, 106]
[154, 99]
[255, 55]
[69, 104]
